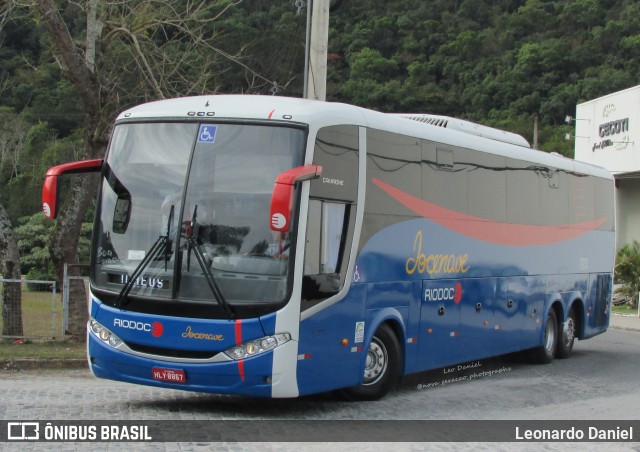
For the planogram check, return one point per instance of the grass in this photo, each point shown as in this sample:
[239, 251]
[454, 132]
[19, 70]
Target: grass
[42, 328]
[624, 309]
[41, 312]
[41, 350]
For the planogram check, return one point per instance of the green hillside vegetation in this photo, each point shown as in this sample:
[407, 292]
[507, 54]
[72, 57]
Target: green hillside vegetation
[501, 63]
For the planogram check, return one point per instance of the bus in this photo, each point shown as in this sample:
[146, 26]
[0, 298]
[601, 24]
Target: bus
[278, 247]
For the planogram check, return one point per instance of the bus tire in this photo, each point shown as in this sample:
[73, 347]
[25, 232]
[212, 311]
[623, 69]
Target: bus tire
[567, 335]
[382, 367]
[545, 353]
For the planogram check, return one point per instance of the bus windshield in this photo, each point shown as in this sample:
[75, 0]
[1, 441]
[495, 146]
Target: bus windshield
[184, 213]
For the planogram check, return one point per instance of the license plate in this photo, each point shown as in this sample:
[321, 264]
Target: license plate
[172, 375]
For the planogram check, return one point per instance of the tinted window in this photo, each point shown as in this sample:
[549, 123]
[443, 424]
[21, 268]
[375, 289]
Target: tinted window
[523, 193]
[336, 150]
[444, 178]
[486, 189]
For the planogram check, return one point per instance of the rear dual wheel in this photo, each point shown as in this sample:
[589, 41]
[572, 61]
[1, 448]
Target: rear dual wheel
[545, 353]
[567, 335]
[558, 342]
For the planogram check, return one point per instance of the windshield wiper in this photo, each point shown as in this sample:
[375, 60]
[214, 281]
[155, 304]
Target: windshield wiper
[192, 244]
[163, 244]
[193, 231]
[167, 248]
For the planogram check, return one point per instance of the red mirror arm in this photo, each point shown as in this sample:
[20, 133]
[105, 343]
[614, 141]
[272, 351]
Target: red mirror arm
[282, 198]
[50, 185]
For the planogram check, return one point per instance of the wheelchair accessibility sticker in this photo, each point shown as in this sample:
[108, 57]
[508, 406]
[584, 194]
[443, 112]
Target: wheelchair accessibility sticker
[207, 133]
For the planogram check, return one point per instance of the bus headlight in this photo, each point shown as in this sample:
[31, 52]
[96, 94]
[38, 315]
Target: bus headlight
[255, 347]
[103, 333]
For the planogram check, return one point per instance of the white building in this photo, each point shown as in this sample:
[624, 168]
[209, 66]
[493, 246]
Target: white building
[608, 134]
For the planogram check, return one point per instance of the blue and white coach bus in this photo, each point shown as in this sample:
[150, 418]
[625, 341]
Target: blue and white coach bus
[277, 247]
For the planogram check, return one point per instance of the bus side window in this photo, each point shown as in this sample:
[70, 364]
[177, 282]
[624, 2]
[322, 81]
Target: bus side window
[324, 250]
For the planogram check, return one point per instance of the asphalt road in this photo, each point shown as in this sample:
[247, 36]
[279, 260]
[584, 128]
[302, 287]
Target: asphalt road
[598, 382]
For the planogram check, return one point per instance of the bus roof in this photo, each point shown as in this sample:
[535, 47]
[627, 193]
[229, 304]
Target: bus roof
[321, 114]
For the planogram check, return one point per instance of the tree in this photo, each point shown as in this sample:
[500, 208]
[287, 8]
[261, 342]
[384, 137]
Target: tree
[70, 66]
[133, 51]
[627, 272]
[33, 235]
[97, 102]
[11, 291]
[13, 134]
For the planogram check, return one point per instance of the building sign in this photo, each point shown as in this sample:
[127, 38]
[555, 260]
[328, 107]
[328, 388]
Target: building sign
[616, 129]
[606, 130]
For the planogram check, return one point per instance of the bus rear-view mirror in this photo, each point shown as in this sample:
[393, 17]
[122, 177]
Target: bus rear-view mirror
[50, 186]
[282, 198]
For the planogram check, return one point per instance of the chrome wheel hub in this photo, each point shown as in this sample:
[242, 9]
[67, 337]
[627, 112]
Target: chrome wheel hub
[377, 362]
[549, 336]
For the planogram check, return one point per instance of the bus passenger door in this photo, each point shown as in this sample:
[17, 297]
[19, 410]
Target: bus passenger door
[439, 341]
[332, 321]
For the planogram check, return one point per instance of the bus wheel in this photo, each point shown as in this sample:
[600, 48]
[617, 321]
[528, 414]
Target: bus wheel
[567, 335]
[382, 367]
[545, 353]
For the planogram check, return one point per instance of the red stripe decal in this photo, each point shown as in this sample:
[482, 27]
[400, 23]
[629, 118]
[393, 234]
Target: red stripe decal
[511, 234]
[271, 113]
[238, 325]
[241, 369]
[238, 330]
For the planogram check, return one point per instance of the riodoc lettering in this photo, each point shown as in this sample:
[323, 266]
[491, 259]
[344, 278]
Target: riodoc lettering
[439, 294]
[444, 293]
[434, 264]
[132, 325]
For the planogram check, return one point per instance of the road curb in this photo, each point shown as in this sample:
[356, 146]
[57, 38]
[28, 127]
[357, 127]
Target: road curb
[624, 328]
[31, 364]
[625, 322]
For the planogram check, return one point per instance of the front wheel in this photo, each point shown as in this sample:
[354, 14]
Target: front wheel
[382, 367]
[567, 335]
[545, 353]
